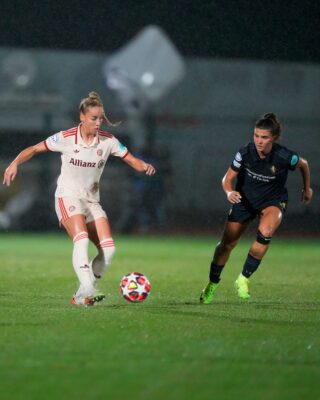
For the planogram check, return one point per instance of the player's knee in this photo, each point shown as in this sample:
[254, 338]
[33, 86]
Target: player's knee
[80, 237]
[264, 236]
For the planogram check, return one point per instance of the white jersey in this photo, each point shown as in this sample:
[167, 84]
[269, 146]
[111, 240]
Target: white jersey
[82, 164]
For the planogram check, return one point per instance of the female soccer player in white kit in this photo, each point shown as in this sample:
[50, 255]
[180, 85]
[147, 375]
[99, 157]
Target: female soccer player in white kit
[84, 152]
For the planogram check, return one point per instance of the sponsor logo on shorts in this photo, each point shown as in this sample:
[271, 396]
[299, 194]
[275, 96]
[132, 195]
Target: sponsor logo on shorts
[72, 208]
[283, 205]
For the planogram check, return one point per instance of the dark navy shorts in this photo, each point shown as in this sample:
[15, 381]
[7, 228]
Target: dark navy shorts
[240, 212]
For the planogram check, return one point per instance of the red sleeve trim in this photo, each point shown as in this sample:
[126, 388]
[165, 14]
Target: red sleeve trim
[46, 146]
[125, 155]
[70, 132]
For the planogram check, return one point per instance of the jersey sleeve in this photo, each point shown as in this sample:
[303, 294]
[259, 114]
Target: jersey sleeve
[118, 149]
[293, 160]
[238, 161]
[55, 142]
[290, 157]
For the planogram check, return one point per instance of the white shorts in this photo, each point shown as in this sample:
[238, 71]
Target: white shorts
[67, 207]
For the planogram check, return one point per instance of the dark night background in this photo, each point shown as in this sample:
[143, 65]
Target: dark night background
[260, 29]
[222, 92]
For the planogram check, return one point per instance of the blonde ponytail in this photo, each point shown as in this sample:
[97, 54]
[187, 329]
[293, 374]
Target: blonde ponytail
[94, 100]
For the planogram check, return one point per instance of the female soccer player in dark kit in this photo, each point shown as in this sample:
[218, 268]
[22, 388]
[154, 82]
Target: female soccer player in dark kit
[84, 151]
[259, 171]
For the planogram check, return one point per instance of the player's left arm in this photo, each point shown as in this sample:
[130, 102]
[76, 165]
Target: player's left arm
[139, 165]
[307, 192]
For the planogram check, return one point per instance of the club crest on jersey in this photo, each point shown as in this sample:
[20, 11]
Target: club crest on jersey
[80, 163]
[273, 169]
[99, 152]
[72, 208]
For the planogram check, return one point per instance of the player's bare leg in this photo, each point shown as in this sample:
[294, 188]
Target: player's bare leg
[99, 230]
[75, 225]
[270, 219]
[230, 238]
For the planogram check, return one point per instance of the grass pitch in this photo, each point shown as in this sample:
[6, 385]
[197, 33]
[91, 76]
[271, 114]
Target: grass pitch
[170, 346]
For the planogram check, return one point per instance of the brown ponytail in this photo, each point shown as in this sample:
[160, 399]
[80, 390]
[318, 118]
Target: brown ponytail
[270, 122]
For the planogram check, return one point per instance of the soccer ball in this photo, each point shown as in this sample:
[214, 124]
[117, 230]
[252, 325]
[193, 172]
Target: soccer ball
[135, 287]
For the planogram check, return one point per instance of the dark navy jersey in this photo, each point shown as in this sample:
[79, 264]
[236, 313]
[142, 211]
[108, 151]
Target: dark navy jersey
[262, 180]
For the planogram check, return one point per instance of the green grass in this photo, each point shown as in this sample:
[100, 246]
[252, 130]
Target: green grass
[170, 346]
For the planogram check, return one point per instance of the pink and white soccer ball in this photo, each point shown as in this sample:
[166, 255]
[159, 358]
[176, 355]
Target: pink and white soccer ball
[135, 287]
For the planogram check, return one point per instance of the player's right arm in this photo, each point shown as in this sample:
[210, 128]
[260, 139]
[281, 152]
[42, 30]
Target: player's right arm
[228, 184]
[11, 172]
[307, 192]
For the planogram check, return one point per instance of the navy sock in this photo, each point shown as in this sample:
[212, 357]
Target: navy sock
[215, 272]
[250, 266]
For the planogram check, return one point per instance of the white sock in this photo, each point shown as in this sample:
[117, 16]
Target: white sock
[80, 263]
[101, 262]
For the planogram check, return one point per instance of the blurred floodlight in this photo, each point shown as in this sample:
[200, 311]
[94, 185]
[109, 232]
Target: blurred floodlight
[18, 69]
[147, 78]
[145, 69]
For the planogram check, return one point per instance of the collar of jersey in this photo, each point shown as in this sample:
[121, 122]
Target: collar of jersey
[255, 154]
[82, 143]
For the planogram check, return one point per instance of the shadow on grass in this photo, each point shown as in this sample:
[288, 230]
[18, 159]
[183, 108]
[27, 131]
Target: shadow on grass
[242, 312]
